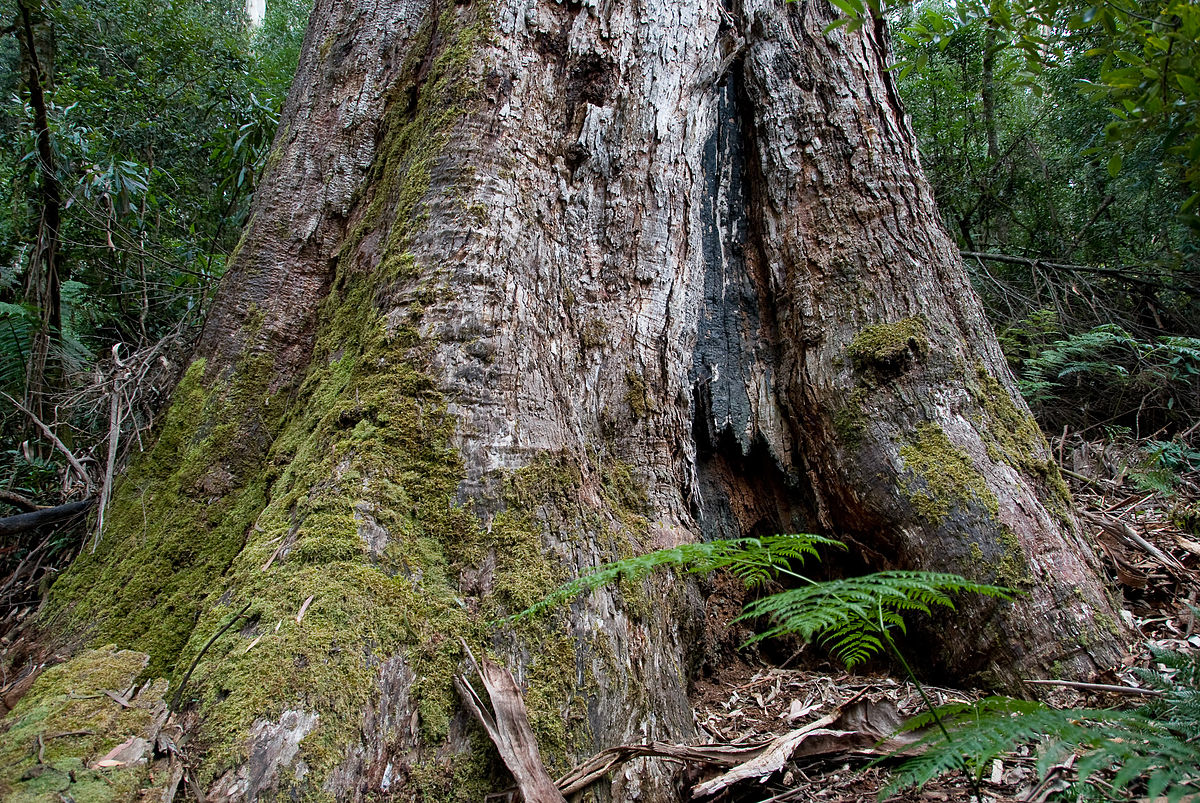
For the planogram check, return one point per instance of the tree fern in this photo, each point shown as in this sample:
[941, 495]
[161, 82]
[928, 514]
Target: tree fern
[1152, 750]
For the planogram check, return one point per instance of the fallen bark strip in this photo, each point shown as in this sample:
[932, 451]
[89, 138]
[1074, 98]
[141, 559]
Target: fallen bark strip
[23, 522]
[773, 757]
[604, 762]
[509, 729]
[1123, 531]
[858, 727]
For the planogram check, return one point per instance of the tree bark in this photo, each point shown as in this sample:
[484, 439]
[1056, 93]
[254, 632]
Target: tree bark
[529, 287]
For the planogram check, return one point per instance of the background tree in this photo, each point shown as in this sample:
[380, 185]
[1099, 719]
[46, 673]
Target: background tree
[128, 155]
[1077, 224]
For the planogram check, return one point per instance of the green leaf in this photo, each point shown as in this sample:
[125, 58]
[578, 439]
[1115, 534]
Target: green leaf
[853, 9]
[1114, 164]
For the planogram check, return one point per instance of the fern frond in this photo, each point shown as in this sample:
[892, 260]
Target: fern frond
[1150, 744]
[752, 560]
[851, 616]
[1178, 709]
[982, 731]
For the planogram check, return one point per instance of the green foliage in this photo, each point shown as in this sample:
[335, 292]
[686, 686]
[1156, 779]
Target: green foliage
[1069, 179]
[752, 560]
[1145, 55]
[1107, 373]
[160, 117]
[1150, 751]
[852, 617]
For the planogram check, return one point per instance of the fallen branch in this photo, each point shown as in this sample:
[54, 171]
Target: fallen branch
[23, 522]
[857, 727]
[16, 500]
[110, 466]
[1105, 687]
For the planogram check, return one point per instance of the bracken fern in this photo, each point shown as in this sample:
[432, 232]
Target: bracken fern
[851, 617]
[752, 560]
[1155, 745]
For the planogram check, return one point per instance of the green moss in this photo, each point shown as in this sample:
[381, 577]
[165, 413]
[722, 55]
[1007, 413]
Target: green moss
[948, 479]
[413, 139]
[67, 717]
[638, 396]
[465, 777]
[850, 420]
[1013, 437]
[242, 500]
[1010, 568]
[229, 509]
[372, 433]
[177, 519]
[554, 701]
[1107, 623]
[593, 334]
[976, 553]
[890, 345]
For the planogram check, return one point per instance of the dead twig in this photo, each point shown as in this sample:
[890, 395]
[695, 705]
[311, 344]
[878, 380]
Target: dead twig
[110, 465]
[62, 447]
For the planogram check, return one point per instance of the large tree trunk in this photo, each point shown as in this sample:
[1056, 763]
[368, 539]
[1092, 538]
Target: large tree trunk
[528, 287]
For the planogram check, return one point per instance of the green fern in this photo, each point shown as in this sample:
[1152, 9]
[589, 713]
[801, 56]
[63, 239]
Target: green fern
[17, 324]
[1155, 745]
[851, 616]
[1178, 709]
[752, 560]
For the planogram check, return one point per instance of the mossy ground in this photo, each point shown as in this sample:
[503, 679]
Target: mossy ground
[68, 719]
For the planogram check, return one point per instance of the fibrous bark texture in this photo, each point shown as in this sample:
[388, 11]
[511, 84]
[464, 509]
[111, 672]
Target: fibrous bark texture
[531, 286]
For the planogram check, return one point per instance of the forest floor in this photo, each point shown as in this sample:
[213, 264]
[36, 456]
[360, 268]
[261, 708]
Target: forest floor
[1147, 543]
